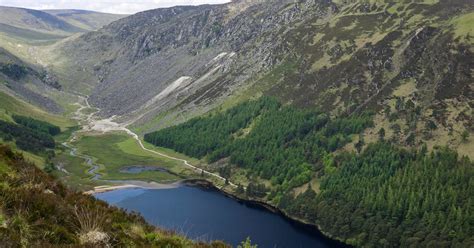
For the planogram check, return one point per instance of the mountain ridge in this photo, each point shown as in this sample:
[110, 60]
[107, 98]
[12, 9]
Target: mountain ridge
[342, 57]
[335, 111]
[59, 22]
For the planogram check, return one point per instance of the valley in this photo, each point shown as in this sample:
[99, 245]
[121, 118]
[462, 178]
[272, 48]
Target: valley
[332, 123]
[110, 148]
[108, 145]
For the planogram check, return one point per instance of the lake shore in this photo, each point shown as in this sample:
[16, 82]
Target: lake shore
[131, 184]
[108, 125]
[208, 185]
[203, 183]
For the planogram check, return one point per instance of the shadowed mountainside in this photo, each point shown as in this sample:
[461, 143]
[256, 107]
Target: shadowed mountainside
[51, 24]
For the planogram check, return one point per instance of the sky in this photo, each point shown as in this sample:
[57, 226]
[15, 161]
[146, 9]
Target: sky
[108, 6]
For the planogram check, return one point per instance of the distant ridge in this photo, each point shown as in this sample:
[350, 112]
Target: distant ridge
[53, 22]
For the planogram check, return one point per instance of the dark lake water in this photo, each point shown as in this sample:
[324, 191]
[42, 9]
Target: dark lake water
[209, 215]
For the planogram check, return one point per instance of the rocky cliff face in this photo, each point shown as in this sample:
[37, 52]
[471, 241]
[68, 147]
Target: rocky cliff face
[163, 66]
[219, 47]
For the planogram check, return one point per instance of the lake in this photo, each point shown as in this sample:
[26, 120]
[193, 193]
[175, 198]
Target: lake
[204, 214]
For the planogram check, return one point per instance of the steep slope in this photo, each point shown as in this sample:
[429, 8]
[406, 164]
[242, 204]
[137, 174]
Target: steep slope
[138, 57]
[381, 195]
[19, 22]
[37, 211]
[342, 57]
[29, 82]
[353, 82]
[407, 63]
[24, 34]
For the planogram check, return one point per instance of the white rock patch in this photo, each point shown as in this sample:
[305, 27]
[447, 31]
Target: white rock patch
[172, 87]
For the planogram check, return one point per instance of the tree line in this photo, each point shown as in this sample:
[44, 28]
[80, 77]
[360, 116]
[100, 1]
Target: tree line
[13, 71]
[283, 144]
[37, 125]
[381, 196]
[29, 134]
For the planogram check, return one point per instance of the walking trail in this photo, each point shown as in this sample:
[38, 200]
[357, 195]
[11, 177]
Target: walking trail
[89, 123]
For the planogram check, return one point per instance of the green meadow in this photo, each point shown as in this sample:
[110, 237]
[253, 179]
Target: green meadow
[115, 151]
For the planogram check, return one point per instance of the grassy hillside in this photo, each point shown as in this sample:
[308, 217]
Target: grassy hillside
[87, 20]
[340, 56]
[10, 105]
[35, 20]
[35, 210]
[24, 23]
[28, 35]
[363, 123]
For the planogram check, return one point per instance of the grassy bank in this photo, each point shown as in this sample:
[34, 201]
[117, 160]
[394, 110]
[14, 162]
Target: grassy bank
[116, 151]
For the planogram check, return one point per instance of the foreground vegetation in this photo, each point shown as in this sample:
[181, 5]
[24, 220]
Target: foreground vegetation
[37, 211]
[379, 196]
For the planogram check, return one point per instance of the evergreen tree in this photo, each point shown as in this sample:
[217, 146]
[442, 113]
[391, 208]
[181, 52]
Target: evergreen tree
[381, 134]
[360, 143]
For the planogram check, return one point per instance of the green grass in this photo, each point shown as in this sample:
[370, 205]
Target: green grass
[156, 176]
[38, 160]
[464, 27]
[2, 219]
[171, 153]
[10, 105]
[78, 178]
[65, 134]
[142, 128]
[28, 35]
[116, 151]
[73, 165]
[3, 169]
[33, 158]
[255, 89]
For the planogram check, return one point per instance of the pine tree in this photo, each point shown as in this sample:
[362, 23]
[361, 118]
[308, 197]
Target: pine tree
[360, 143]
[381, 134]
